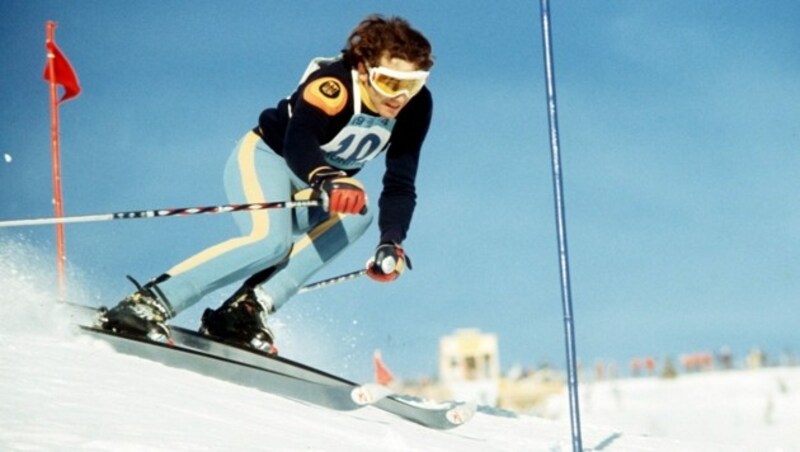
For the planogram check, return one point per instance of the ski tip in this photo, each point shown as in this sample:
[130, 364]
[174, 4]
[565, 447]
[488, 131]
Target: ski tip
[369, 393]
[461, 413]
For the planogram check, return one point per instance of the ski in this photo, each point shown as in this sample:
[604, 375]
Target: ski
[275, 374]
[337, 397]
[444, 415]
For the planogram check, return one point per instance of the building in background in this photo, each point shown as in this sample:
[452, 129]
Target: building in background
[469, 366]
[469, 370]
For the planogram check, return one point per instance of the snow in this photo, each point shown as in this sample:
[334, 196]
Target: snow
[68, 392]
[758, 407]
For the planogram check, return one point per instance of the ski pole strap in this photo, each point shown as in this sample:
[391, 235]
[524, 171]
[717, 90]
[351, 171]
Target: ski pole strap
[181, 211]
[331, 281]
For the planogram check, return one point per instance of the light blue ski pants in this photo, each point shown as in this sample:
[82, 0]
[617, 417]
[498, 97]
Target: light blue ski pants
[310, 237]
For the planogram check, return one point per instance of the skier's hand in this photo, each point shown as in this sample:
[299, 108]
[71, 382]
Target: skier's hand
[338, 192]
[388, 262]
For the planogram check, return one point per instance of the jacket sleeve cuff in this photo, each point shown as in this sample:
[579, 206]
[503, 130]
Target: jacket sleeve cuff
[392, 235]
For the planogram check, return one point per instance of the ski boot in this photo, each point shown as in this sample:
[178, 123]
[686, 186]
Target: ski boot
[241, 320]
[141, 313]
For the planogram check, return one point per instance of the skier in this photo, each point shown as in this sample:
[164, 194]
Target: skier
[371, 99]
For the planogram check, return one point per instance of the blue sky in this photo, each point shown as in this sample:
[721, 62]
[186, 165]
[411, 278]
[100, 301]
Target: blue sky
[679, 133]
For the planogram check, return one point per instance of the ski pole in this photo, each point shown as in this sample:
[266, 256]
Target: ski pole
[181, 211]
[331, 281]
[561, 228]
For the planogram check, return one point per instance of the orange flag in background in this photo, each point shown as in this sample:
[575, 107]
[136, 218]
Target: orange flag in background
[383, 375]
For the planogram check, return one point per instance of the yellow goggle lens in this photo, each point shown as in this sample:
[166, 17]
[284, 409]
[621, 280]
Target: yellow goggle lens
[392, 83]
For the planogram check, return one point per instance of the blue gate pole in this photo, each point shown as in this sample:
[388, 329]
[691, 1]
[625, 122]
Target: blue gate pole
[558, 189]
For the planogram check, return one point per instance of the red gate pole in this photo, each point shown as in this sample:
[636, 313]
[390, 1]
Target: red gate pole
[61, 252]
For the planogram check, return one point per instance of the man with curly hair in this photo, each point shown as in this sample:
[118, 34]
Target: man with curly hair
[347, 110]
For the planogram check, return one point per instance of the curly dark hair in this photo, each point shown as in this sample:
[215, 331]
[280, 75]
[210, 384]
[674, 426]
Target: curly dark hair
[376, 35]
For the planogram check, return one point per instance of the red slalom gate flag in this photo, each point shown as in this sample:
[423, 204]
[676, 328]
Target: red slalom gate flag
[62, 73]
[58, 71]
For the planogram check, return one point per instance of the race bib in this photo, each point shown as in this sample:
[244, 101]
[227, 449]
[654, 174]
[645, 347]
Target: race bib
[360, 141]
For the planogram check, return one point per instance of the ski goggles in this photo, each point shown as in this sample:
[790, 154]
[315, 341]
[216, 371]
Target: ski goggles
[392, 83]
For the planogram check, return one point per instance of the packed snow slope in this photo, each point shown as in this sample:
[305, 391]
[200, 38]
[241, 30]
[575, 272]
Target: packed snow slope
[63, 391]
